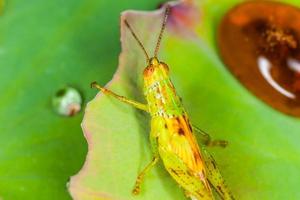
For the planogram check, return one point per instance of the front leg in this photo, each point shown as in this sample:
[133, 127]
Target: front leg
[137, 187]
[135, 104]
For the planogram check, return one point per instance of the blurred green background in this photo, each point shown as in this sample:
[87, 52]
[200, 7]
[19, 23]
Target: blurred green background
[44, 46]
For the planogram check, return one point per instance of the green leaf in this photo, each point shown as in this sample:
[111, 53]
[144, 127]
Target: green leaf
[261, 161]
[44, 46]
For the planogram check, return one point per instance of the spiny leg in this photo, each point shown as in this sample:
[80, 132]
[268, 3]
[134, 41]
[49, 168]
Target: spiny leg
[154, 146]
[137, 187]
[215, 178]
[206, 139]
[138, 105]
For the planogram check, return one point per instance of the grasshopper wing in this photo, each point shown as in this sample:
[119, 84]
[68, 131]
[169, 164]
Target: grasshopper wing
[181, 155]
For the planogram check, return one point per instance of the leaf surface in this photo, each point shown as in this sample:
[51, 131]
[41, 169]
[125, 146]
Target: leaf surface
[262, 160]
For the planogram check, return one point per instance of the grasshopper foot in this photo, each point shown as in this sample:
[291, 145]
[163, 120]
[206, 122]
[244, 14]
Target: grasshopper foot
[137, 187]
[136, 190]
[97, 86]
[221, 143]
[94, 84]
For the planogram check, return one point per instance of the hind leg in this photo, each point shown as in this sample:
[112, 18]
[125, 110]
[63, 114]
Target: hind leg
[206, 139]
[215, 178]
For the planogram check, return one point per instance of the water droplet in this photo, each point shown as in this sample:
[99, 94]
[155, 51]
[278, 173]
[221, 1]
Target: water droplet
[259, 41]
[67, 101]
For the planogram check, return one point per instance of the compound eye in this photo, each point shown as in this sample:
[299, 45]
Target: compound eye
[165, 67]
[148, 71]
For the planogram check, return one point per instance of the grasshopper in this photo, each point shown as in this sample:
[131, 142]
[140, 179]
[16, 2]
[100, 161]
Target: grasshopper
[171, 137]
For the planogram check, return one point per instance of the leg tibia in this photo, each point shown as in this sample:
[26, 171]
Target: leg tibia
[137, 187]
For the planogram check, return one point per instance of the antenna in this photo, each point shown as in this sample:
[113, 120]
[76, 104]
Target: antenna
[137, 39]
[167, 12]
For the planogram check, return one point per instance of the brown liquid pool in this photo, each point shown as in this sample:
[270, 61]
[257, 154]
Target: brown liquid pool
[259, 42]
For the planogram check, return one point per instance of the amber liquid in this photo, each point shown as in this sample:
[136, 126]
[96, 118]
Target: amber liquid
[259, 41]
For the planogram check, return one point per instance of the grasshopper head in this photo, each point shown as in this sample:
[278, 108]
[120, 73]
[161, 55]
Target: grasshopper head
[155, 71]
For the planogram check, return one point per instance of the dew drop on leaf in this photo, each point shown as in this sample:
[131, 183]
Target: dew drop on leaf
[67, 101]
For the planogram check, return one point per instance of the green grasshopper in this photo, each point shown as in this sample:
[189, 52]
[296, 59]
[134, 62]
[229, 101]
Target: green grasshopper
[171, 135]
